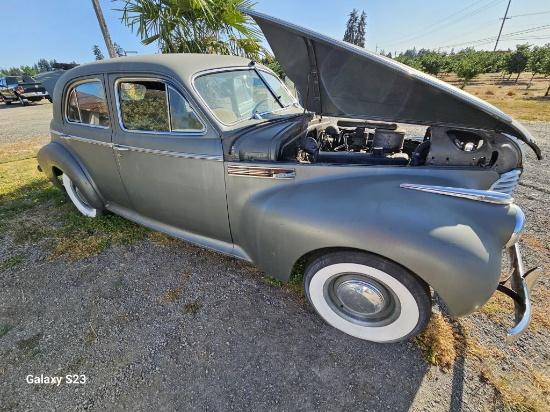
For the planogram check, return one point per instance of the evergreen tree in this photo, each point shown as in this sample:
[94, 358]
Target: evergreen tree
[119, 50]
[43, 65]
[361, 26]
[97, 52]
[351, 27]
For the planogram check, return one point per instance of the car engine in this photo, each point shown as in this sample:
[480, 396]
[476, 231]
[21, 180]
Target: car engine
[378, 143]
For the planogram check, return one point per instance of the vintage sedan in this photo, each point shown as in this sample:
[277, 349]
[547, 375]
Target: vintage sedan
[216, 150]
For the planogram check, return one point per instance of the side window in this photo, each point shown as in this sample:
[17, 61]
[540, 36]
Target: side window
[152, 106]
[86, 104]
[143, 106]
[183, 118]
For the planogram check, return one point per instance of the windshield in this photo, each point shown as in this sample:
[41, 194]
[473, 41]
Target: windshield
[238, 95]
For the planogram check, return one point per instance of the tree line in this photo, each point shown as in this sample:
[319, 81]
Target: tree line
[469, 63]
[40, 66]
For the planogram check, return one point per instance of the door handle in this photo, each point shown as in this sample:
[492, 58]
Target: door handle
[121, 148]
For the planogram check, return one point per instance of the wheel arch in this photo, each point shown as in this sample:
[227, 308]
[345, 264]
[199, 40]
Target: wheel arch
[453, 245]
[54, 160]
[307, 258]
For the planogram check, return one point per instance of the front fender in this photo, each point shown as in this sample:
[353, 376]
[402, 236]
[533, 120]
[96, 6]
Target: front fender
[55, 155]
[455, 245]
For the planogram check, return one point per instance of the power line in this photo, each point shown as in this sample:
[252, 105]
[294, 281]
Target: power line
[530, 14]
[442, 23]
[491, 39]
[502, 25]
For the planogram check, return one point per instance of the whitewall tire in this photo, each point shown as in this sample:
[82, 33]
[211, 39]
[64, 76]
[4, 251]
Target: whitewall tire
[78, 198]
[367, 296]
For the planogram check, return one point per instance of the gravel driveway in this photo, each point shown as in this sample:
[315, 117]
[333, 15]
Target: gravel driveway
[172, 326]
[24, 122]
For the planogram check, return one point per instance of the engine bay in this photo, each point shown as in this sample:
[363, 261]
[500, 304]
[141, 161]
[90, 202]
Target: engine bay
[360, 142]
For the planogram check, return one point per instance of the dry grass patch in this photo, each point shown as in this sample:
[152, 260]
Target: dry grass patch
[172, 295]
[518, 388]
[437, 342]
[163, 239]
[22, 149]
[33, 210]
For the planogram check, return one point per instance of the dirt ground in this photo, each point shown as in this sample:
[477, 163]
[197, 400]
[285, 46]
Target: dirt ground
[163, 324]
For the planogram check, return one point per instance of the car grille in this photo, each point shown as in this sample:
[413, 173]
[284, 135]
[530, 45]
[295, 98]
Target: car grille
[507, 182]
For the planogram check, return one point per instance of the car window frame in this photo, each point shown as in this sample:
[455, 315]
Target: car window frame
[168, 84]
[71, 87]
[234, 69]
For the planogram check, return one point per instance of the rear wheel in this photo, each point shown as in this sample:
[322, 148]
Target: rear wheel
[78, 199]
[367, 296]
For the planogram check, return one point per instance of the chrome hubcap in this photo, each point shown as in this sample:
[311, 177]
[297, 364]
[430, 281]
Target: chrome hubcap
[360, 296]
[362, 299]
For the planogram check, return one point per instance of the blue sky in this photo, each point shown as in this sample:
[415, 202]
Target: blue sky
[67, 29]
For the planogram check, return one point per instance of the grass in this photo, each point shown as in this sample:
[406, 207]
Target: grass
[192, 308]
[21, 150]
[519, 100]
[4, 329]
[34, 210]
[437, 342]
[172, 295]
[11, 262]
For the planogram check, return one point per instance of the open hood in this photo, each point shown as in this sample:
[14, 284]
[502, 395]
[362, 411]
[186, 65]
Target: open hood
[339, 79]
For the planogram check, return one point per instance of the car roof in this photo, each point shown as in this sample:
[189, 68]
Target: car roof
[185, 65]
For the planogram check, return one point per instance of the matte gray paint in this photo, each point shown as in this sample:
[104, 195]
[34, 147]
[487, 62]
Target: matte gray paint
[336, 78]
[56, 155]
[453, 244]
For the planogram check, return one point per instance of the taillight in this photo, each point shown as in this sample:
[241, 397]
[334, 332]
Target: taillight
[20, 89]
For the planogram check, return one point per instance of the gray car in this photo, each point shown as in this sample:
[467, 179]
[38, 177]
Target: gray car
[217, 151]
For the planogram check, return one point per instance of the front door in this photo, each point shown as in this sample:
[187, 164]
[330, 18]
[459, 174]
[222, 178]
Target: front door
[170, 160]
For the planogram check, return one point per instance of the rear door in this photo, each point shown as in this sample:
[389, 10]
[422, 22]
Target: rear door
[170, 158]
[88, 127]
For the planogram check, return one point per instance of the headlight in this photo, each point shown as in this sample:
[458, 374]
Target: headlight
[518, 228]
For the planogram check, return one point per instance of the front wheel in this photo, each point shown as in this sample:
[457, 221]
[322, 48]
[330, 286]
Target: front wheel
[367, 296]
[78, 198]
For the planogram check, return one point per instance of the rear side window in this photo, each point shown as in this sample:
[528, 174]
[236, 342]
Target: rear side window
[153, 106]
[86, 104]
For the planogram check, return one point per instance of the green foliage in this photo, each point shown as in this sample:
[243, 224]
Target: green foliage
[431, 63]
[517, 62]
[195, 26]
[468, 65]
[355, 28]
[97, 52]
[271, 62]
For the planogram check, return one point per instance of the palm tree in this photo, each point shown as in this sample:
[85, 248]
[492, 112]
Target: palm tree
[194, 26]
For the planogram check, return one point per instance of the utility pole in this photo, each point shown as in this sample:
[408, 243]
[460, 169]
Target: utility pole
[104, 29]
[502, 25]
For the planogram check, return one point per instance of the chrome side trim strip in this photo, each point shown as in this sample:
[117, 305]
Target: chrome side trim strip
[183, 155]
[261, 172]
[80, 139]
[470, 194]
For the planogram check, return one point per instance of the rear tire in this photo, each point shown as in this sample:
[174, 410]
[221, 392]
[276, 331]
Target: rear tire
[78, 198]
[368, 296]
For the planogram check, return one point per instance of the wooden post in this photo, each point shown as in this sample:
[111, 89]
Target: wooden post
[104, 29]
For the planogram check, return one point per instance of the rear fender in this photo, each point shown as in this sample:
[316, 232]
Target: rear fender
[55, 156]
[455, 245]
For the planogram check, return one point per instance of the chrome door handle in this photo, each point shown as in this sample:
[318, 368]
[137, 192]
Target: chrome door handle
[121, 148]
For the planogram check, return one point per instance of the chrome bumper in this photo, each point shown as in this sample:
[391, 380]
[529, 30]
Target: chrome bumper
[521, 283]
